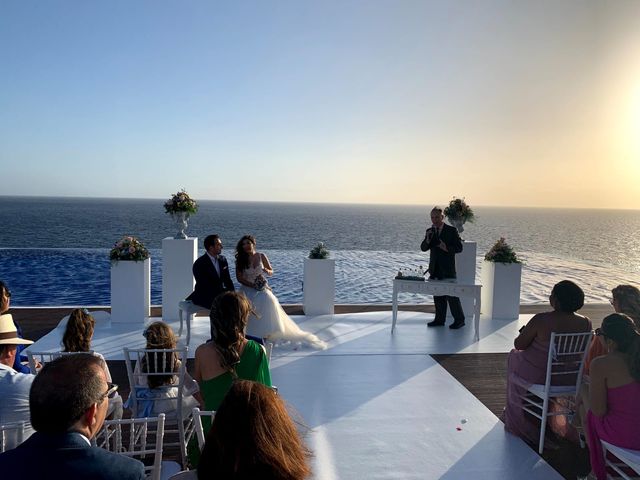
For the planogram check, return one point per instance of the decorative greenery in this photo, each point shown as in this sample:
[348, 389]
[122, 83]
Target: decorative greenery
[129, 248]
[319, 252]
[458, 210]
[502, 252]
[181, 202]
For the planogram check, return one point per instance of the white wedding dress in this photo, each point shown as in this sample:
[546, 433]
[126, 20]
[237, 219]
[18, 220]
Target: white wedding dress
[271, 321]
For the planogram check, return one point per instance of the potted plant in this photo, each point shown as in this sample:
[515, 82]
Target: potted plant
[458, 213]
[501, 280]
[181, 206]
[130, 281]
[319, 285]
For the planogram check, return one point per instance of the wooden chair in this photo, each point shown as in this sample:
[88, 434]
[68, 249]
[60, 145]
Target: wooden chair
[567, 353]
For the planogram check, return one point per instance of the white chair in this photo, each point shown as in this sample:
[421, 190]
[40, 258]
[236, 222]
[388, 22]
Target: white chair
[162, 366]
[46, 357]
[11, 435]
[188, 308]
[137, 438]
[626, 457]
[567, 353]
[197, 424]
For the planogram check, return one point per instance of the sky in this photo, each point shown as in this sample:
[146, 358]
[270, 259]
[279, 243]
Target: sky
[510, 103]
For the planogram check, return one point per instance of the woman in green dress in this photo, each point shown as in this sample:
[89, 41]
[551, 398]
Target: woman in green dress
[229, 355]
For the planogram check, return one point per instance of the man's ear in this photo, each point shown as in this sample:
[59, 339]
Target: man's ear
[89, 416]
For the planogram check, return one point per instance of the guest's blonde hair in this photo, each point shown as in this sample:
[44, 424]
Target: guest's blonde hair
[79, 332]
[159, 335]
[628, 299]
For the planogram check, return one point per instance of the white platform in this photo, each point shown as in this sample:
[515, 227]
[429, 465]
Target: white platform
[379, 407]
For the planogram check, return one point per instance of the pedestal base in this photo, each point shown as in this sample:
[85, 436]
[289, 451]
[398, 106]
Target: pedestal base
[319, 286]
[130, 291]
[178, 256]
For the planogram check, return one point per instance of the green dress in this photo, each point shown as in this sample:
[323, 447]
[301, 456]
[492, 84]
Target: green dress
[253, 365]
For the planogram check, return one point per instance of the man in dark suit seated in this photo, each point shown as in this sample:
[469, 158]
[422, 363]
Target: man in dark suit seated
[68, 403]
[444, 242]
[211, 272]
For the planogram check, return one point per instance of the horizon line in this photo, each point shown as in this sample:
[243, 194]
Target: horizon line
[291, 202]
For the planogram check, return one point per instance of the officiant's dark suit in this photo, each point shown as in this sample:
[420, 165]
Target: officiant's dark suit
[210, 282]
[442, 265]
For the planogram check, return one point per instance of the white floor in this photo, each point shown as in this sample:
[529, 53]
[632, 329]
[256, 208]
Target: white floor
[377, 405]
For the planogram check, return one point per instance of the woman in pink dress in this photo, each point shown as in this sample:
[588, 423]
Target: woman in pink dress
[527, 363]
[614, 414]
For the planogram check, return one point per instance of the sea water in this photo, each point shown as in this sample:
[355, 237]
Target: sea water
[55, 251]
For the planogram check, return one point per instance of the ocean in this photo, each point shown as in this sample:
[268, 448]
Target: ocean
[54, 251]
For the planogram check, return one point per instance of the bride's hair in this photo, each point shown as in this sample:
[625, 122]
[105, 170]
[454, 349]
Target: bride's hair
[242, 258]
[228, 317]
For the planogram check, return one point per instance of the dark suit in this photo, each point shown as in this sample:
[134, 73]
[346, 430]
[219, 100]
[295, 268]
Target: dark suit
[208, 283]
[442, 265]
[66, 456]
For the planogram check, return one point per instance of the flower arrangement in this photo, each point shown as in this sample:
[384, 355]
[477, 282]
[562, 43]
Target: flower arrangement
[502, 252]
[319, 252]
[458, 210]
[129, 248]
[181, 202]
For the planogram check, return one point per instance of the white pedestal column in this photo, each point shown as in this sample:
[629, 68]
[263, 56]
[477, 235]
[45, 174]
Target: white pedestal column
[466, 273]
[501, 289]
[319, 286]
[178, 256]
[130, 291]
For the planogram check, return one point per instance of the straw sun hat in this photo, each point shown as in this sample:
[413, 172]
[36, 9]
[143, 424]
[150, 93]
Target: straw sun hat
[8, 332]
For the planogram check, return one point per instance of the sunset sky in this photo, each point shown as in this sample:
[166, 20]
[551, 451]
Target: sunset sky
[513, 103]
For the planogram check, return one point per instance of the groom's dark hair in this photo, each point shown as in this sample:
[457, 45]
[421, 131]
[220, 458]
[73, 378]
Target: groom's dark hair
[210, 240]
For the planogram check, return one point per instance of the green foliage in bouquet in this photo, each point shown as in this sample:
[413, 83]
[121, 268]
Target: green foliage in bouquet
[129, 248]
[181, 202]
[502, 252]
[319, 252]
[458, 210]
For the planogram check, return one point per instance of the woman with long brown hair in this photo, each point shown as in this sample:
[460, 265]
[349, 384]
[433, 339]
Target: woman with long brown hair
[77, 337]
[270, 320]
[253, 437]
[614, 407]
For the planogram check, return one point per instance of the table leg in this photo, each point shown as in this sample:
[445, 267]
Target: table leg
[394, 308]
[476, 317]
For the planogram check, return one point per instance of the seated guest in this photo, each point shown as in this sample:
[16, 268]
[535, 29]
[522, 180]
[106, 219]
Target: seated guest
[68, 404]
[14, 386]
[625, 299]
[614, 414]
[253, 436]
[20, 363]
[77, 338]
[228, 356]
[527, 363]
[211, 272]
[158, 390]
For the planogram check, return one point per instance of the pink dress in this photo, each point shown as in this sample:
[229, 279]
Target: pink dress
[524, 368]
[620, 426]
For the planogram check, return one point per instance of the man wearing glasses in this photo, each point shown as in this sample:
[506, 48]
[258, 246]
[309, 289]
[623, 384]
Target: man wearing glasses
[68, 403]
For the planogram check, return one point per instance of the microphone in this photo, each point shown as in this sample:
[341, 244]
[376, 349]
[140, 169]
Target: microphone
[435, 233]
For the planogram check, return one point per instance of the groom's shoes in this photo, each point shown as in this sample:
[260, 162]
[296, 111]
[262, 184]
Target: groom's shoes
[457, 324]
[435, 323]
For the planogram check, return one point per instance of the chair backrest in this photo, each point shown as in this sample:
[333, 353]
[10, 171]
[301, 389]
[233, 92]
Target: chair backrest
[197, 424]
[46, 357]
[567, 354]
[139, 438]
[11, 435]
[160, 362]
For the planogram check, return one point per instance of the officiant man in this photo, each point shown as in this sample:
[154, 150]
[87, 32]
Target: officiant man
[443, 242]
[211, 272]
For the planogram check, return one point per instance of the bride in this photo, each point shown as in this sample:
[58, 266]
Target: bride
[270, 321]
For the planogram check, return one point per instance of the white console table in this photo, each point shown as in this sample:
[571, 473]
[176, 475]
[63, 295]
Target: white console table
[438, 287]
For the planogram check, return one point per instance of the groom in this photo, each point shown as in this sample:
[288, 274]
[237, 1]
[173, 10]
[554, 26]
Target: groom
[211, 272]
[443, 242]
